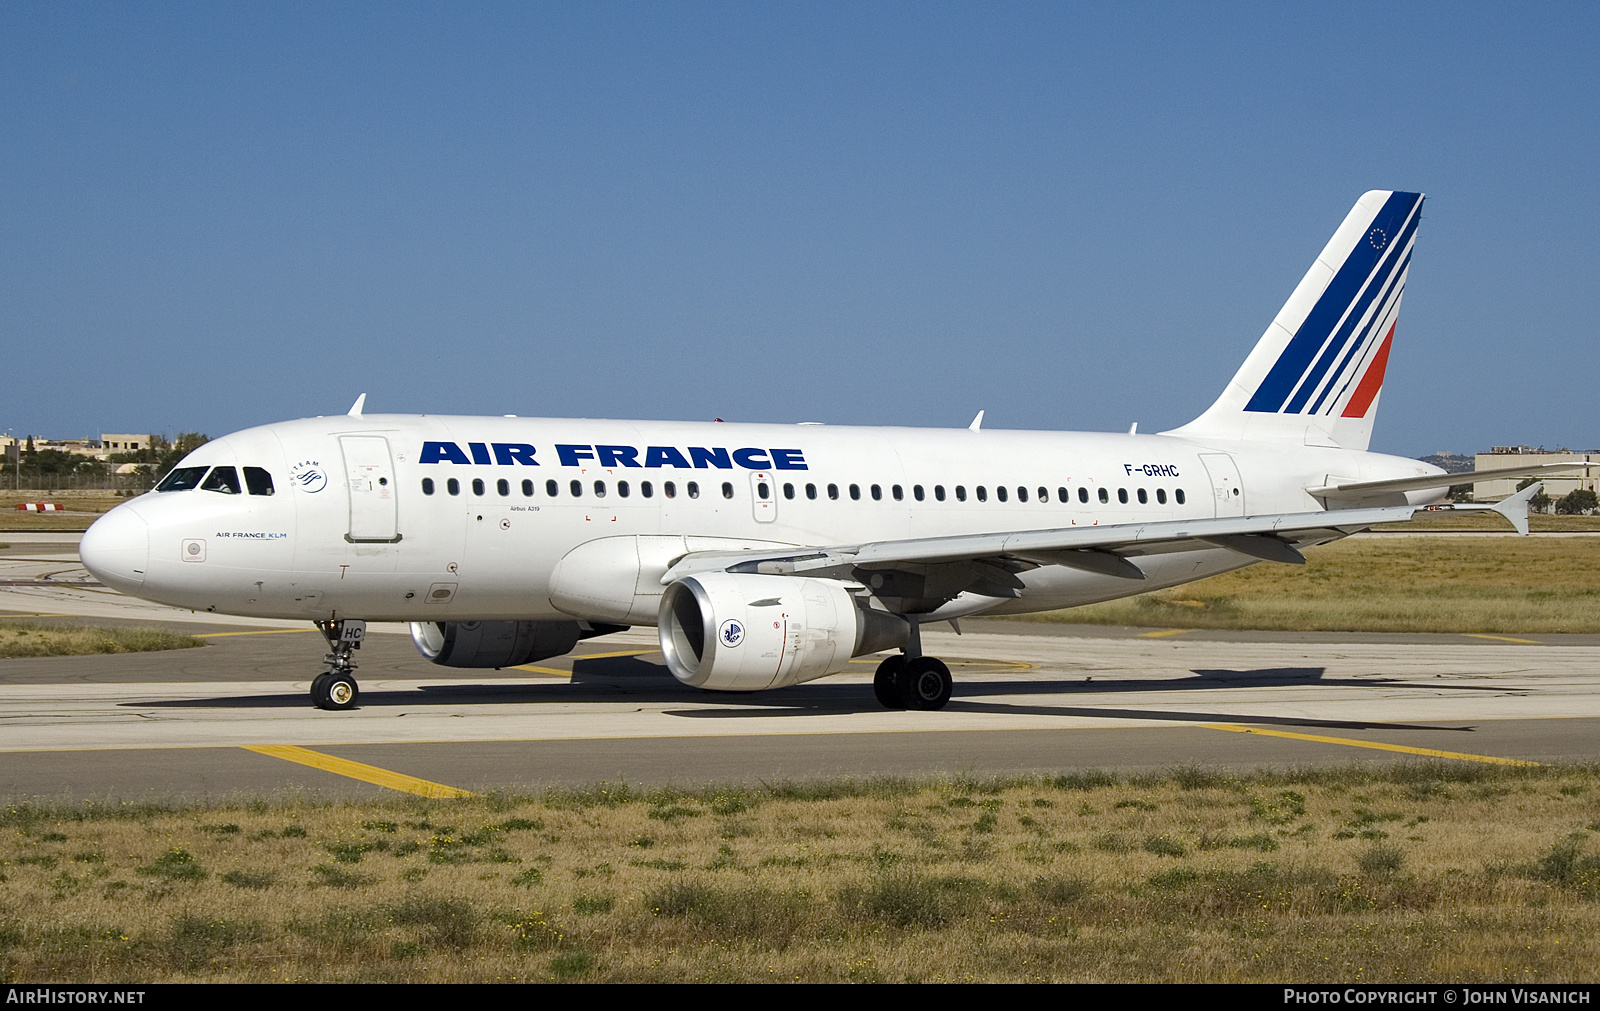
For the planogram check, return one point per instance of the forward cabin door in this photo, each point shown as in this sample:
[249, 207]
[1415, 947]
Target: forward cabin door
[370, 473]
[1226, 488]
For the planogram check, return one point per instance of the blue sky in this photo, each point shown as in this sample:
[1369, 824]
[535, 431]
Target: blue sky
[219, 215]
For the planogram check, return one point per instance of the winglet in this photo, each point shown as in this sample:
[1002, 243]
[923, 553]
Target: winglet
[355, 408]
[977, 423]
[1515, 507]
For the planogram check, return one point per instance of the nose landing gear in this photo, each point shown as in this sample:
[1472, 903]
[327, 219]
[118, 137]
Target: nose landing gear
[336, 688]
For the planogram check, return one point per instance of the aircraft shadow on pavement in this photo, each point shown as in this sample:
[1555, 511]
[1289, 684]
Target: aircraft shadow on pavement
[632, 679]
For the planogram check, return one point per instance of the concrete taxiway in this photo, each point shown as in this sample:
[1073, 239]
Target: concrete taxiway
[234, 716]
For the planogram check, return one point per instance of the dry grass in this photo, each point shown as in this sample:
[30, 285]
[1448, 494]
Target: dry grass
[1435, 583]
[1538, 522]
[1411, 872]
[82, 508]
[27, 638]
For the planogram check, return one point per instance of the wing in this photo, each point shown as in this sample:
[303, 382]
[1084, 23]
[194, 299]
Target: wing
[942, 568]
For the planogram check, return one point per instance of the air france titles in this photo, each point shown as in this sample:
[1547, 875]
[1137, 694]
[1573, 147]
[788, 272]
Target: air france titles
[507, 454]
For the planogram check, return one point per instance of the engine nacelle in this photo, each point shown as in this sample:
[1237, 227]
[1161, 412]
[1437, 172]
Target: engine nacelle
[739, 632]
[495, 643]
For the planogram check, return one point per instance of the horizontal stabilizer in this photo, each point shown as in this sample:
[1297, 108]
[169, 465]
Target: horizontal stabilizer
[1367, 489]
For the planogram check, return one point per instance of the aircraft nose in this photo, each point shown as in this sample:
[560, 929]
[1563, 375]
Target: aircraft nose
[116, 549]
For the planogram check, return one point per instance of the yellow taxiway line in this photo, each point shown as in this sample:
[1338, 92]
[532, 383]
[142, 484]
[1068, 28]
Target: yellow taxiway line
[1374, 745]
[269, 631]
[1503, 638]
[357, 770]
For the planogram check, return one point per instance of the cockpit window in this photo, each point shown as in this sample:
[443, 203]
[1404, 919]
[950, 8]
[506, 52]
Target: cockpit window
[223, 479]
[258, 481]
[181, 479]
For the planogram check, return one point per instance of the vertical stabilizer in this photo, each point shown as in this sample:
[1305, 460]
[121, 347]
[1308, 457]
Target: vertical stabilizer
[1315, 375]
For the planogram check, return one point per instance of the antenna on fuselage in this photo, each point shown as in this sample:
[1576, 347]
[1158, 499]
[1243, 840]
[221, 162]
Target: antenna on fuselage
[977, 423]
[355, 408]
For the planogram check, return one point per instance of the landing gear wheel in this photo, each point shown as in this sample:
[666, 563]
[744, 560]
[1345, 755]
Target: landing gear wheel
[924, 683]
[883, 682]
[334, 691]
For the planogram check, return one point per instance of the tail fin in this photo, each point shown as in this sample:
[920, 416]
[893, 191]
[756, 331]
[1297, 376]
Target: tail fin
[1315, 375]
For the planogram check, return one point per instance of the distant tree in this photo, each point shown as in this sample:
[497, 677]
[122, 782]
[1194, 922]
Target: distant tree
[1460, 493]
[1540, 503]
[1581, 502]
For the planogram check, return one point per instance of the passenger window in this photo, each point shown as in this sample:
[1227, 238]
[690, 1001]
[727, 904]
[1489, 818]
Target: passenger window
[477, 486]
[669, 489]
[552, 489]
[916, 492]
[259, 482]
[503, 487]
[647, 489]
[1122, 495]
[983, 493]
[898, 493]
[1000, 493]
[833, 492]
[623, 489]
[961, 493]
[727, 490]
[182, 479]
[1044, 494]
[453, 486]
[1179, 496]
[599, 489]
[1104, 497]
[788, 490]
[1144, 499]
[938, 492]
[763, 491]
[527, 488]
[693, 489]
[1062, 495]
[222, 479]
[576, 487]
[427, 486]
[855, 493]
[1161, 496]
[1022, 494]
[811, 491]
[877, 493]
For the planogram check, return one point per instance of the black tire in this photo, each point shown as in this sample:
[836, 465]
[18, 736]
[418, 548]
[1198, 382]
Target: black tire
[335, 691]
[924, 684]
[884, 682]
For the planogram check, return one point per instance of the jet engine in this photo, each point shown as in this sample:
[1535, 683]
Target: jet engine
[742, 632]
[497, 643]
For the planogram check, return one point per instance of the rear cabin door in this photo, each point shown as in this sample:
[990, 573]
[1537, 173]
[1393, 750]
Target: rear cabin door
[370, 474]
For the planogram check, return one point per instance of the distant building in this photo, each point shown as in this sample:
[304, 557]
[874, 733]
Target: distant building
[114, 443]
[1555, 486]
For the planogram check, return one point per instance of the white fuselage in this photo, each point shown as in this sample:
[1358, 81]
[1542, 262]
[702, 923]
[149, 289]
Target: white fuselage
[419, 518]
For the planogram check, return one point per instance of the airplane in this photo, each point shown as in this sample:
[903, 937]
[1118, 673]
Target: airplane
[770, 555]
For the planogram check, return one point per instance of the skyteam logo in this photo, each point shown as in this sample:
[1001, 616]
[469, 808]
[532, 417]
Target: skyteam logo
[732, 632]
[1335, 362]
[308, 476]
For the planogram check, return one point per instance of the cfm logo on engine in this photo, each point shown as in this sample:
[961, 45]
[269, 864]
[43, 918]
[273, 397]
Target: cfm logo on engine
[732, 632]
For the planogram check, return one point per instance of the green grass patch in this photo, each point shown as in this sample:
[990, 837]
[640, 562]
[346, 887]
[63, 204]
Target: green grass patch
[27, 638]
[1434, 583]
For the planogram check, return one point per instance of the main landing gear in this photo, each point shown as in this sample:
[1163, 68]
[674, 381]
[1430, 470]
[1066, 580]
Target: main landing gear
[336, 688]
[913, 681]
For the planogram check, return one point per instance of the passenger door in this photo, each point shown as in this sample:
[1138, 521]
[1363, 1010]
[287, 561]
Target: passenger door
[370, 475]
